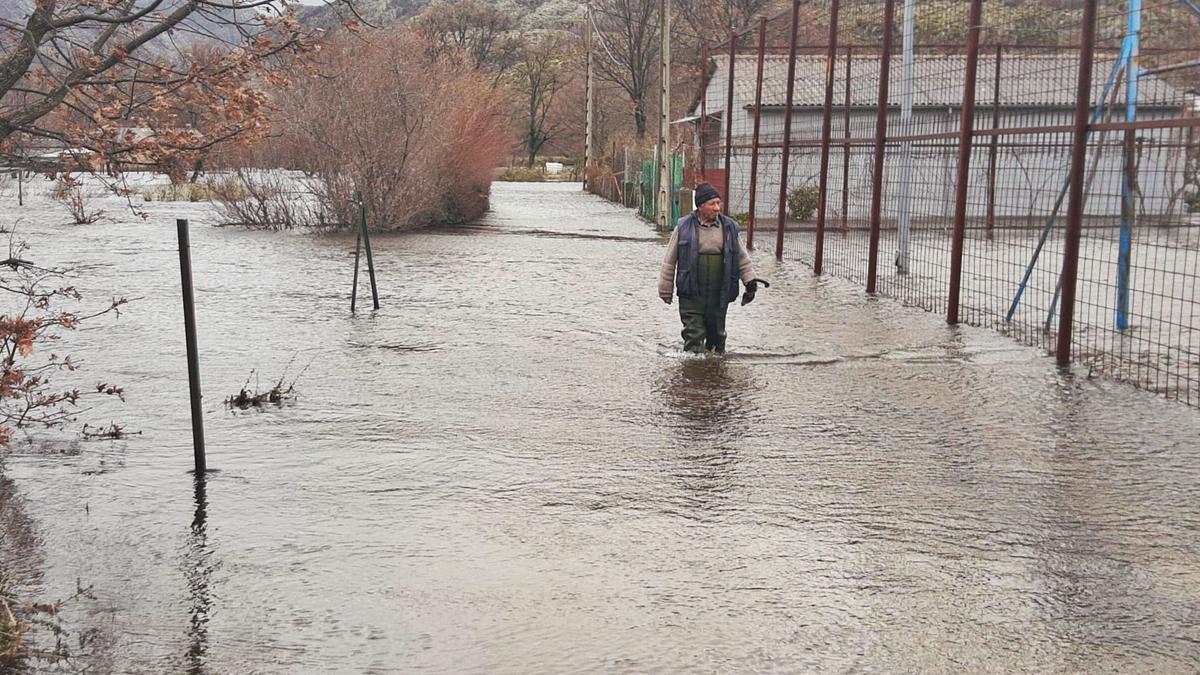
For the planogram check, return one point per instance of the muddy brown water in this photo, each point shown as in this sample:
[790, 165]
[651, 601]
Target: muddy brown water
[511, 468]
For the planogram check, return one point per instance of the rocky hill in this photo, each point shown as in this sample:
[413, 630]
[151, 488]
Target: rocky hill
[534, 14]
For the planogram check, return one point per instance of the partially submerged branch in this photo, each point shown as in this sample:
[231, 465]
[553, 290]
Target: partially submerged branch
[27, 394]
[281, 391]
[112, 432]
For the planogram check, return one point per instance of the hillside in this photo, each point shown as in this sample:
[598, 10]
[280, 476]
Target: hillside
[534, 13]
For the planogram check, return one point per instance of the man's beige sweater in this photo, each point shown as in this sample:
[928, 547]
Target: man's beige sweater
[711, 240]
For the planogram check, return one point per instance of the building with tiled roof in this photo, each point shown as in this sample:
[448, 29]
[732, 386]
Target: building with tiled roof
[1035, 91]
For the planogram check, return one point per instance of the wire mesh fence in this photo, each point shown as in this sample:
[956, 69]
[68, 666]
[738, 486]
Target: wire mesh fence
[1033, 170]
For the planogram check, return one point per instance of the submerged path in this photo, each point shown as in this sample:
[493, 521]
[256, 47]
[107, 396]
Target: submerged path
[511, 467]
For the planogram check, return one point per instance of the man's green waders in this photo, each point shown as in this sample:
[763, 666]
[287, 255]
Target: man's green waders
[703, 317]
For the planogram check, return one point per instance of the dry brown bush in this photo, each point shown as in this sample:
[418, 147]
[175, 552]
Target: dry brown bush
[69, 192]
[270, 200]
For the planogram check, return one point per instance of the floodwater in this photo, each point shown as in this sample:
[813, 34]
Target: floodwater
[511, 468]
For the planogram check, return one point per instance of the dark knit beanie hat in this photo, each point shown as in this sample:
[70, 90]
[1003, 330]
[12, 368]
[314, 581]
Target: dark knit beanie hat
[705, 192]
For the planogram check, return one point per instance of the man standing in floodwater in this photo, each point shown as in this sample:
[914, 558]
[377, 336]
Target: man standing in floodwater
[705, 260]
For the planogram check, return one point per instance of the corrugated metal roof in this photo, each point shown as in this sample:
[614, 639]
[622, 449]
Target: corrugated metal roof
[1025, 81]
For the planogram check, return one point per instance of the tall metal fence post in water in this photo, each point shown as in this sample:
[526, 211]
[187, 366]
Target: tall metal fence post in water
[729, 118]
[354, 284]
[366, 240]
[762, 45]
[1079, 136]
[787, 131]
[193, 351]
[826, 127]
[965, 140]
[885, 58]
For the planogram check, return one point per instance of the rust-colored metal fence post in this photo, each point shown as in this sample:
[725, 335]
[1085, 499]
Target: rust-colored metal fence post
[762, 46]
[881, 117]
[826, 126]
[787, 131]
[846, 146]
[1079, 135]
[703, 102]
[993, 146]
[729, 116]
[966, 137]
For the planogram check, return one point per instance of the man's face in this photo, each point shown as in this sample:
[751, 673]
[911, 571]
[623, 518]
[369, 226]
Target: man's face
[709, 209]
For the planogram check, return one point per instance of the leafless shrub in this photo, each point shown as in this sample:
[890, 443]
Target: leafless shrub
[268, 200]
[416, 138]
[69, 192]
[179, 192]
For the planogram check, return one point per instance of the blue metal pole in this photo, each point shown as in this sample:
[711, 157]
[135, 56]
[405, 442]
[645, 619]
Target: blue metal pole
[1128, 175]
[1062, 191]
[906, 126]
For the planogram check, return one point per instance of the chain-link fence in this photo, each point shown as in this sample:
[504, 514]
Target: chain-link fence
[1067, 213]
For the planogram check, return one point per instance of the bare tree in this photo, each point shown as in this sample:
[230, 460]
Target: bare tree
[628, 36]
[542, 73]
[711, 20]
[87, 73]
[478, 34]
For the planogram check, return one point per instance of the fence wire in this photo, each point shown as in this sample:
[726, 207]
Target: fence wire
[889, 155]
[904, 188]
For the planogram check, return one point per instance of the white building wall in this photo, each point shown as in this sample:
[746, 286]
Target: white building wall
[1029, 174]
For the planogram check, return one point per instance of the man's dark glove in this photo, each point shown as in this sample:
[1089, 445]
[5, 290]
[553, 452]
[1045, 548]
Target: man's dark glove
[751, 289]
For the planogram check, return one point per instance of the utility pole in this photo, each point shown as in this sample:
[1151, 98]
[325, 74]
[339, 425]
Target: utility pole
[588, 141]
[664, 129]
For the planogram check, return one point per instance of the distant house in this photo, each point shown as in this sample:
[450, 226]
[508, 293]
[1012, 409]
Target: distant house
[1035, 91]
[51, 156]
[132, 135]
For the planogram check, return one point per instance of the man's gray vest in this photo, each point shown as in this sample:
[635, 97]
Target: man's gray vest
[687, 264]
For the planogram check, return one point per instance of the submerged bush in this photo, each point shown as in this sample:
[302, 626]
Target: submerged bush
[269, 200]
[179, 192]
[68, 191]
